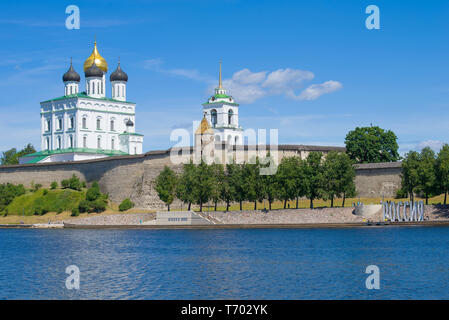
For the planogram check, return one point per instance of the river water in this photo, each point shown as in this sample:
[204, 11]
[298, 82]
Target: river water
[226, 264]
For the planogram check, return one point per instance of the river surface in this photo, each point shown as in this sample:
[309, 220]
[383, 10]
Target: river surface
[226, 264]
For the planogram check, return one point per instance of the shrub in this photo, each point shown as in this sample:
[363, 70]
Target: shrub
[45, 192]
[83, 184]
[84, 206]
[65, 183]
[93, 193]
[36, 187]
[53, 185]
[401, 194]
[126, 205]
[99, 205]
[75, 183]
[75, 212]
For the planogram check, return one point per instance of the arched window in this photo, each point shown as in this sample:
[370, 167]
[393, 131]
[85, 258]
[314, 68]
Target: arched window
[236, 140]
[72, 123]
[47, 143]
[230, 113]
[213, 115]
[98, 124]
[229, 139]
[71, 141]
[99, 143]
[59, 142]
[48, 125]
[217, 138]
[84, 142]
[112, 125]
[112, 144]
[84, 123]
[60, 124]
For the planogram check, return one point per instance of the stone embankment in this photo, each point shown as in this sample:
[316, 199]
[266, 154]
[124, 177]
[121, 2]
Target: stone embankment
[275, 217]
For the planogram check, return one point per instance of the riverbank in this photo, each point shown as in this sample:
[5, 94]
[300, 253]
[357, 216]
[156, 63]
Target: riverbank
[281, 218]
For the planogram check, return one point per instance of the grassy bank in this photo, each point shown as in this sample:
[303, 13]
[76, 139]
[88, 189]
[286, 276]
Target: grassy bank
[43, 201]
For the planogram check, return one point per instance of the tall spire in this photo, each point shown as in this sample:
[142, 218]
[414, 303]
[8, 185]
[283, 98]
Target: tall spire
[219, 81]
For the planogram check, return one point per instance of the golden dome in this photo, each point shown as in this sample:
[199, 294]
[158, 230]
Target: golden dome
[204, 127]
[99, 60]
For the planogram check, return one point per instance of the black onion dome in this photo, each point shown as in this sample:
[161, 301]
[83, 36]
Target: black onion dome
[71, 75]
[129, 123]
[118, 75]
[94, 71]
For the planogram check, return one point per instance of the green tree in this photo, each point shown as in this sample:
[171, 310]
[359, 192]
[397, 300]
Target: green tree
[75, 183]
[217, 175]
[372, 145]
[165, 186]
[288, 182]
[426, 172]
[442, 170]
[339, 175]
[409, 173]
[253, 183]
[202, 186]
[226, 187]
[270, 180]
[11, 156]
[93, 193]
[184, 188]
[313, 177]
[236, 183]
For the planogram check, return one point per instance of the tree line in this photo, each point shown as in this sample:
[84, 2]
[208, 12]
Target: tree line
[426, 173]
[315, 177]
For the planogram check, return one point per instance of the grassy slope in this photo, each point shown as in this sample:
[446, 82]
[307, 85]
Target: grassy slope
[53, 201]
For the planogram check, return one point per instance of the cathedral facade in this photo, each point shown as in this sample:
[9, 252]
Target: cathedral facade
[88, 125]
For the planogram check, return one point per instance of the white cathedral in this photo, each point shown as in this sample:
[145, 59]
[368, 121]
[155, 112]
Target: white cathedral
[88, 125]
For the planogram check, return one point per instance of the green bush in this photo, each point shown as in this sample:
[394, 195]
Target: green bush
[93, 193]
[84, 206]
[126, 205]
[45, 192]
[83, 184]
[36, 187]
[75, 212]
[99, 205]
[65, 183]
[401, 194]
[75, 183]
[53, 185]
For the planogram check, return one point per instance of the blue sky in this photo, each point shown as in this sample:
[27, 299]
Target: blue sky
[308, 68]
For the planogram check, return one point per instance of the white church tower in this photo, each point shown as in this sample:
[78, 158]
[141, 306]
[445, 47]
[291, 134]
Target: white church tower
[222, 112]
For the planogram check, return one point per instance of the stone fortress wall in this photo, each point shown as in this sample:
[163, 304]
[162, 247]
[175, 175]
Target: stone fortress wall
[132, 176]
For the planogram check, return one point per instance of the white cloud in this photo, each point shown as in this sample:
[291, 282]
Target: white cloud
[435, 145]
[247, 86]
[314, 91]
[286, 80]
[247, 77]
